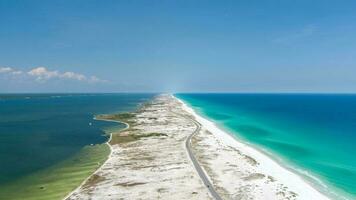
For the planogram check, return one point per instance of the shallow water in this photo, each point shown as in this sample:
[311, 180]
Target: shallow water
[314, 133]
[45, 137]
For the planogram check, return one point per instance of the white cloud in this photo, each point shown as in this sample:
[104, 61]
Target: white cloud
[72, 75]
[18, 72]
[42, 74]
[94, 79]
[5, 69]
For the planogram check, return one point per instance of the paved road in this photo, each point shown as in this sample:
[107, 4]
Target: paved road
[199, 169]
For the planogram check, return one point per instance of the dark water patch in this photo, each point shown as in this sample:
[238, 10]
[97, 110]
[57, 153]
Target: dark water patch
[288, 149]
[218, 116]
[252, 131]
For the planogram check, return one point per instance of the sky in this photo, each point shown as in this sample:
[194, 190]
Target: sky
[178, 46]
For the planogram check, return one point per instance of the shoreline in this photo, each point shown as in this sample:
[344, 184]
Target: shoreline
[58, 180]
[293, 180]
[110, 154]
[136, 170]
[313, 180]
[149, 159]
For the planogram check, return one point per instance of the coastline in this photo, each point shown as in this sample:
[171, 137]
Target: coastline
[58, 180]
[149, 160]
[58, 150]
[107, 158]
[294, 181]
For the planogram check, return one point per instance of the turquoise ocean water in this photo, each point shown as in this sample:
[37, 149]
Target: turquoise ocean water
[314, 134]
[38, 131]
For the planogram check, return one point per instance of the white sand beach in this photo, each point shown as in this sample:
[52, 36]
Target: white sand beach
[150, 160]
[241, 171]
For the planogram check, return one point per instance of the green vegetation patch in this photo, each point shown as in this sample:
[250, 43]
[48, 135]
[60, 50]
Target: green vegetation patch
[93, 180]
[118, 117]
[121, 117]
[120, 139]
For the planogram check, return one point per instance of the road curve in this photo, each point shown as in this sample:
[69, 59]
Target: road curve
[199, 169]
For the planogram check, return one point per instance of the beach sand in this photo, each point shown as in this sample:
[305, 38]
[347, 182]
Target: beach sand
[149, 160]
[239, 171]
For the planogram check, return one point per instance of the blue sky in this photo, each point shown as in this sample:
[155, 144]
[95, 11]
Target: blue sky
[178, 46]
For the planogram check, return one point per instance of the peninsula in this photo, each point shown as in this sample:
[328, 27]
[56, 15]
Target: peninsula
[167, 151]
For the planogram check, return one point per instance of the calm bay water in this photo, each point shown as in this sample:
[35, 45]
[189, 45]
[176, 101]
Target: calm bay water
[314, 133]
[38, 131]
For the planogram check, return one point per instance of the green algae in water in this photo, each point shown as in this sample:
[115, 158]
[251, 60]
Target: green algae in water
[59, 180]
